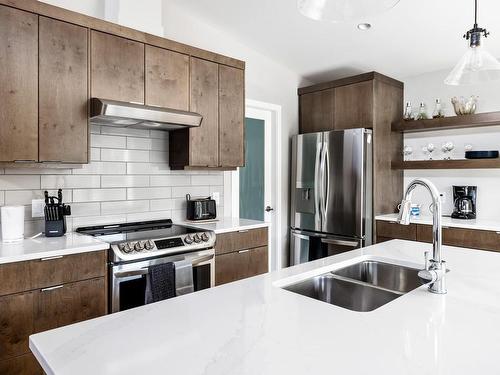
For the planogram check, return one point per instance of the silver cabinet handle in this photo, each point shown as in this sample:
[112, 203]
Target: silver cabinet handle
[243, 231]
[51, 258]
[340, 242]
[25, 161]
[51, 288]
[243, 251]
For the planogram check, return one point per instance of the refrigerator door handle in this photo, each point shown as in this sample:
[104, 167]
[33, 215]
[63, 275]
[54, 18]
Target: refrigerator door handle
[301, 236]
[322, 182]
[317, 193]
[326, 161]
[339, 242]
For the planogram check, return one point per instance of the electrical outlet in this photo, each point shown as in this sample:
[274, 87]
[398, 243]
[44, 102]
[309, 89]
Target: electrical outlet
[216, 197]
[37, 206]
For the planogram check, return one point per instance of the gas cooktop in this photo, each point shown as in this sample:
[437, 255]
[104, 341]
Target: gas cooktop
[147, 239]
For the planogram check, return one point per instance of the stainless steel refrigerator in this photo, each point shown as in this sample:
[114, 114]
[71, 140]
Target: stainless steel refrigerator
[331, 193]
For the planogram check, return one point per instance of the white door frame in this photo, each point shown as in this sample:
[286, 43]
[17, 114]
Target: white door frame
[271, 115]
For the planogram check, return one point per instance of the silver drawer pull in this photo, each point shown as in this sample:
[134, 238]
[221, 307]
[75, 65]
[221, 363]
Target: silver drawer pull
[52, 288]
[25, 161]
[243, 251]
[51, 258]
[243, 231]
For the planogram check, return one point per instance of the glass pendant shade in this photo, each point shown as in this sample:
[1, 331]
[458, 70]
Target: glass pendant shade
[343, 10]
[476, 66]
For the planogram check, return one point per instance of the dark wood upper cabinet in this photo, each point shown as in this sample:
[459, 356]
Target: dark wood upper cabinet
[317, 111]
[18, 85]
[354, 106]
[63, 91]
[231, 116]
[117, 68]
[204, 140]
[167, 78]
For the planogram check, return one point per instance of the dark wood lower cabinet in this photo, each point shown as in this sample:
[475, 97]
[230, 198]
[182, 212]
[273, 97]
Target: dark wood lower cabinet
[69, 303]
[25, 364]
[240, 265]
[391, 230]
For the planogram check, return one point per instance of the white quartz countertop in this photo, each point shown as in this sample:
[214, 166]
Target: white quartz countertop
[226, 224]
[447, 221]
[253, 327]
[42, 247]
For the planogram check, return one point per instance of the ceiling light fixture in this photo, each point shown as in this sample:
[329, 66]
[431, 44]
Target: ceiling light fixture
[343, 10]
[364, 26]
[477, 65]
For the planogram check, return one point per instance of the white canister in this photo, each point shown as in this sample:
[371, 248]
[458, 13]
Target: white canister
[12, 223]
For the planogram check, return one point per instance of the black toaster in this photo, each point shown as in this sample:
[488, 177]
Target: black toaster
[200, 208]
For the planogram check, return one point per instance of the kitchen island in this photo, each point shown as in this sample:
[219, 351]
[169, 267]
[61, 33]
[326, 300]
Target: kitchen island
[255, 327]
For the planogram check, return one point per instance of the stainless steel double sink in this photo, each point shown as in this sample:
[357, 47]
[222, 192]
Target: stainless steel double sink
[363, 286]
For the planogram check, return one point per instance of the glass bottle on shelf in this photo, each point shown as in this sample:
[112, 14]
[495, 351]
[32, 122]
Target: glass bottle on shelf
[438, 109]
[408, 114]
[422, 112]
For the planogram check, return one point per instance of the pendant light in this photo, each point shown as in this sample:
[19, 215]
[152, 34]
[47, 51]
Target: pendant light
[343, 10]
[477, 65]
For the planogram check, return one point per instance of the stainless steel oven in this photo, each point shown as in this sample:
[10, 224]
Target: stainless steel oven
[128, 280]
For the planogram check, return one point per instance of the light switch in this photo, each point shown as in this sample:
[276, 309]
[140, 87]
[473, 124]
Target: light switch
[216, 197]
[37, 206]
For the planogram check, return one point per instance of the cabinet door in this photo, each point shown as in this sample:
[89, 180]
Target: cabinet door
[117, 68]
[69, 303]
[354, 106]
[18, 85]
[167, 78]
[204, 140]
[394, 230]
[16, 324]
[25, 364]
[231, 116]
[240, 264]
[317, 111]
[63, 90]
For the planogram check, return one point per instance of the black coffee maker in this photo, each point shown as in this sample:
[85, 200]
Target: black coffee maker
[464, 202]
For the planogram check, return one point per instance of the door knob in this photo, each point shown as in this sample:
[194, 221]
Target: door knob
[269, 209]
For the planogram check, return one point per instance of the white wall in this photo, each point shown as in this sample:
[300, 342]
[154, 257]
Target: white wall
[427, 87]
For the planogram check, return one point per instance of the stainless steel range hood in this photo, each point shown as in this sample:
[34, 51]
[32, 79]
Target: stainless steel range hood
[139, 116]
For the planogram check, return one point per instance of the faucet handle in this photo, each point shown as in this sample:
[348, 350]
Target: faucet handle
[427, 264]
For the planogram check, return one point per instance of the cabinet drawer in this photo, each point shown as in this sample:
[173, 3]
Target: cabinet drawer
[393, 230]
[240, 265]
[16, 324]
[69, 303]
[25, 364]
[60, 270]
[470, 238]
[240, 240]
[14, 278]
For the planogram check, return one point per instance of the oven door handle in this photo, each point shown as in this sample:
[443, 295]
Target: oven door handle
[144, 271]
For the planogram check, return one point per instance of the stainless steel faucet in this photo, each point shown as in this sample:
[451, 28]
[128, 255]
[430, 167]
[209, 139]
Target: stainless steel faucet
[435, 269]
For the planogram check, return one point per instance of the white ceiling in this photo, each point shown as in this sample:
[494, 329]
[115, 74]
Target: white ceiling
[413, 38]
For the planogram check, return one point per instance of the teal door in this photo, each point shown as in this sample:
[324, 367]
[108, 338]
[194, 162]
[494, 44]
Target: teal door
[252, 174]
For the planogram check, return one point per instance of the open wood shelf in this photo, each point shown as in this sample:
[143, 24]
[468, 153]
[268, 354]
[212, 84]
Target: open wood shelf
[444, 123]
[447, 164]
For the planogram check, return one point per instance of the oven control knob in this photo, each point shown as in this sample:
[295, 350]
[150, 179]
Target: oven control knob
[139, 246]
[196, 238]
[204, 237]
[188, 239]
[126, 248]
[149, 245]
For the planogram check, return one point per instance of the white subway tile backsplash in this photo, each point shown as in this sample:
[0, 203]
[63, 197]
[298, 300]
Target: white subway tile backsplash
[19, 182]
[148, 168]
[170, 180]
[85, 209]
[124, 181]
[149, 193]
[128, 179]
[95, 154]
[124, 207]
[158, 157]
[98, 167]
[161, 204]
[138, 143]
[70, 181]
[217, 179]
[125, 131]
[109, 141]
[108, 154]
[99, 195]
[194, 191]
